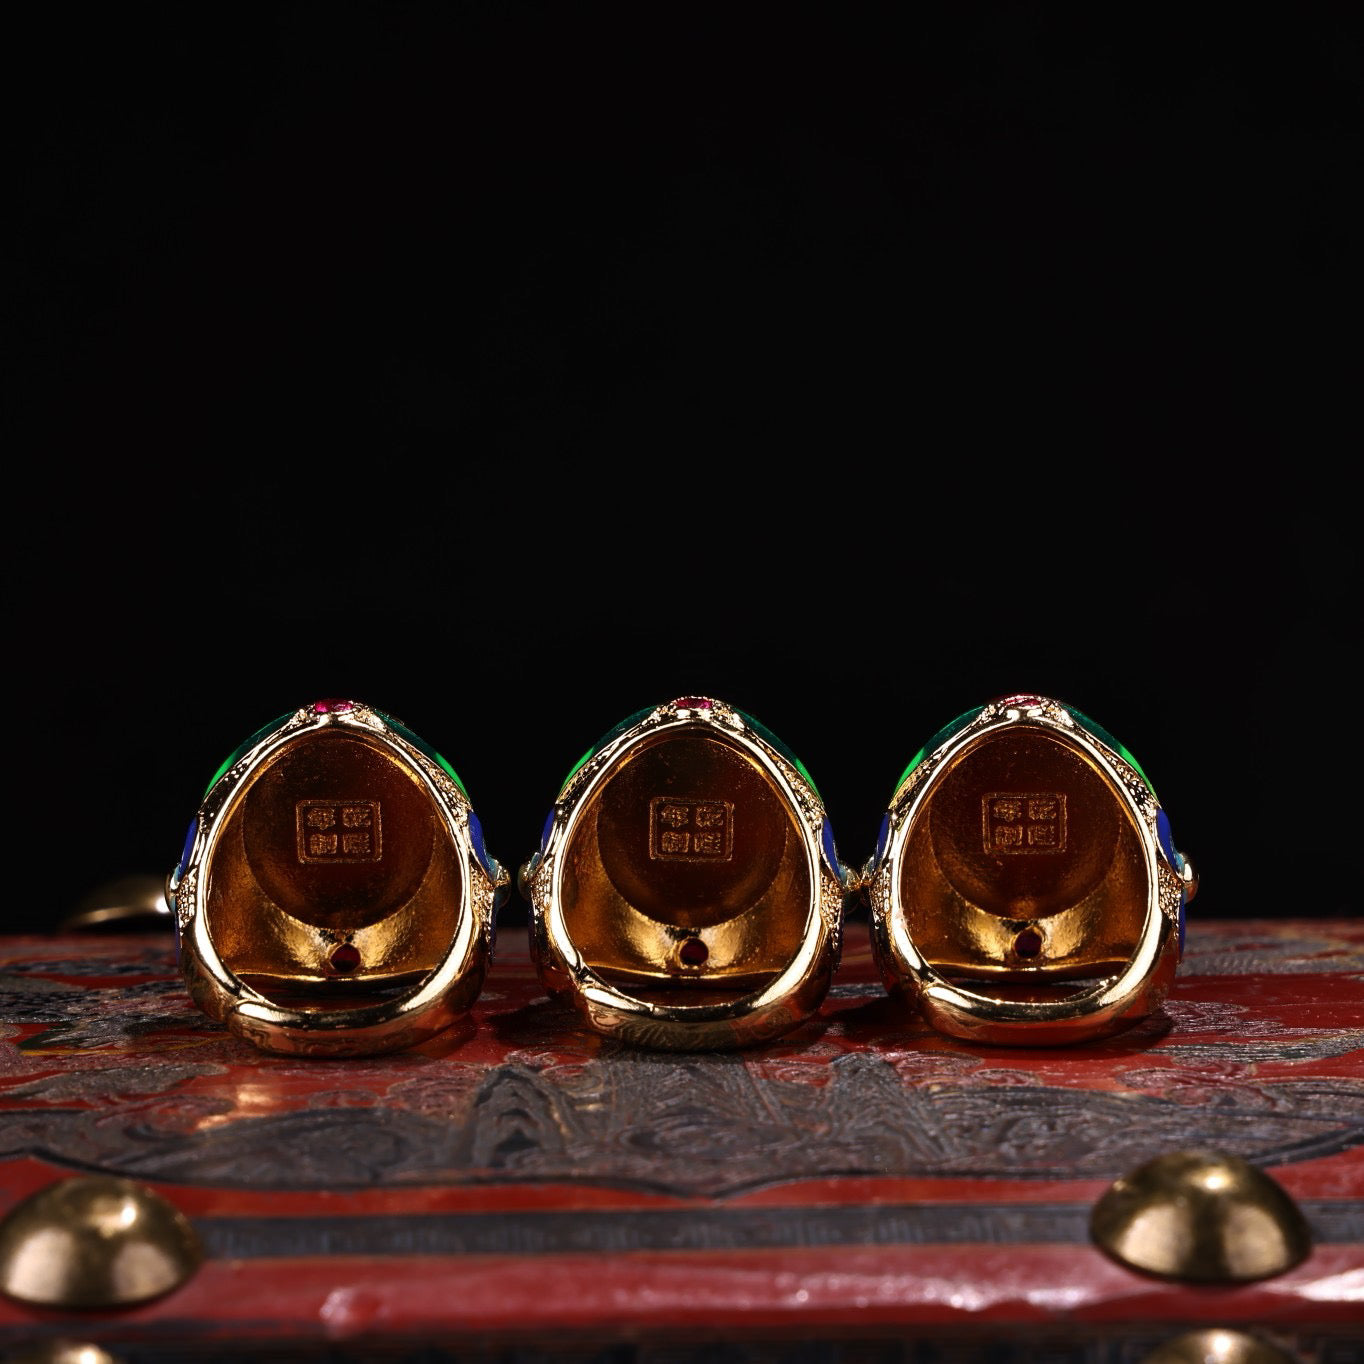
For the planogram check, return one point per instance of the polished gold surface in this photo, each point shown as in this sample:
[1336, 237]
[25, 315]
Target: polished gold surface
[336, 898]
[1201, 1216]
[63, 1352]
[1024, 892]
[686, 871]
[680, 899]
[1219, 1347]
[1072, 899]
[123, 903]
[95, 1241]
[279, 915]
[1189, 875]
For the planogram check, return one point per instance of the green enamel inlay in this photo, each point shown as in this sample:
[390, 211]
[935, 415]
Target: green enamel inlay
[761, 729]
[940, 738]
[243, 747]
[1102, 734]
[614, 732]
[451, 773]
[578, 766]
[421, 745]
[913, 763]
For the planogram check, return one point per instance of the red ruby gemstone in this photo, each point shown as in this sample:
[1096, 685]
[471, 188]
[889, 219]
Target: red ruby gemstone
[693, 952]
[345, 959]
[332, 706]
[1023, 699]
[692, 703]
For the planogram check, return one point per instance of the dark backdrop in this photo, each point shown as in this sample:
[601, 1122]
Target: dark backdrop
[513, 367]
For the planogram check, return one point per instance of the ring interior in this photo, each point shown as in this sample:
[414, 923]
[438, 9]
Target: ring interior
[1024, 869]
[334, 881]
[686, 873]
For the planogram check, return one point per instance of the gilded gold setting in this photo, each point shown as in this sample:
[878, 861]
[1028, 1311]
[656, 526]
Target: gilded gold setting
[686, 894]
[1025, 890]
[336, 897]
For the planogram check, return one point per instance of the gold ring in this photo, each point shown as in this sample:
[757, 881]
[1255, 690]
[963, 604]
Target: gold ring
[335, 896]
[687, 893]
[1025, 887]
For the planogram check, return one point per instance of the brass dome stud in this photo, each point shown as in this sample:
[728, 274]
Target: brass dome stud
[1201, 1216]
[128, 902]
[63, 1352]
[95, 1241]
[1218, 1347]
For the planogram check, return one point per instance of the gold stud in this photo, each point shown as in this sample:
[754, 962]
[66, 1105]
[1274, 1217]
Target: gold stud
[95, 1241]
[63, 1352]
[1218, 1347]
[127, 902]
[1201, 1215]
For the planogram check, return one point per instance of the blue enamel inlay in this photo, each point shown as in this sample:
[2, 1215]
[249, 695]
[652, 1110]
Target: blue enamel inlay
[826, 843]
[1176, 859]
[191, 834]
[882, 839]
[1166, 839]
[549, 826]
[476, 840]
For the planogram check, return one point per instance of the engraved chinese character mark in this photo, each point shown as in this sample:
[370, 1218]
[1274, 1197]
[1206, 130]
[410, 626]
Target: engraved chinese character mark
[339, 831]
[1024, 822]
[691, 830]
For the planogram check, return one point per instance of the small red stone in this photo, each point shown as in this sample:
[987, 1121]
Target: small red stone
[345, 959]
[692, 703]
[693, 952]
[1024, 700]
[1028, 944]
[332, 706]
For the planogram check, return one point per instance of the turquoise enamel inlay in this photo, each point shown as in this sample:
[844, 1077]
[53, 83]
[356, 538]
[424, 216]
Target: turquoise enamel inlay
[262, 733]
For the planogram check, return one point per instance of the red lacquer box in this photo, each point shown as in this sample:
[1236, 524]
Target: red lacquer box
[862, 1190]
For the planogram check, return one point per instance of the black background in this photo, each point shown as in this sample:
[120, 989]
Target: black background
[514, 367]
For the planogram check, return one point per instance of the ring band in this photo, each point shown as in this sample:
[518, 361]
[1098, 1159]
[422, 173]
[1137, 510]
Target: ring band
[1025, 887]
[687, 893]
[334, 896]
